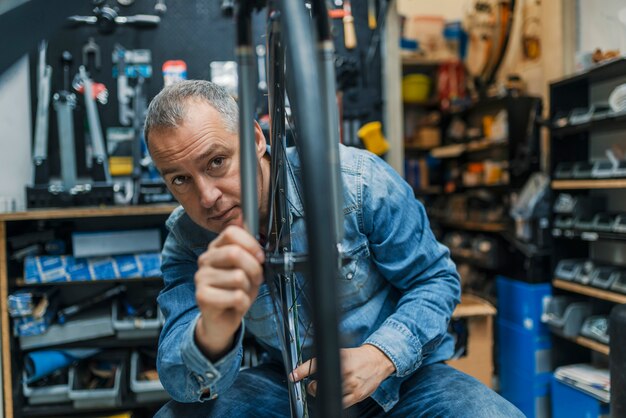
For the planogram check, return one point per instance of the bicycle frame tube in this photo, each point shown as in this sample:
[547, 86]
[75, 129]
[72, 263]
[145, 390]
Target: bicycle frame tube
[247, 92]
[326, 57]
[323, 257]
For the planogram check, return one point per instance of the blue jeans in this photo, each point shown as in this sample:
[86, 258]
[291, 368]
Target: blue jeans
[436, 390]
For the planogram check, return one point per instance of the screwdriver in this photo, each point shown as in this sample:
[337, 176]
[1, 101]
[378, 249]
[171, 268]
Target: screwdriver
[349, 34]
[371, 14]
[65, 313]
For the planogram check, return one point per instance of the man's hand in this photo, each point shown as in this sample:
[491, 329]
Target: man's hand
[227, 282]
[363, 370]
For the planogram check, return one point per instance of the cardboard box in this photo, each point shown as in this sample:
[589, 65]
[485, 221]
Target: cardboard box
[478, 362]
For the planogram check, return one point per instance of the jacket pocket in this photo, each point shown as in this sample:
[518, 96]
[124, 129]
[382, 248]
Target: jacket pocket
[352, 283]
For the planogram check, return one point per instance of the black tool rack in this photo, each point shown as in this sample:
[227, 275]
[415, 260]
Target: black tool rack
[63, 222]
[576, 139]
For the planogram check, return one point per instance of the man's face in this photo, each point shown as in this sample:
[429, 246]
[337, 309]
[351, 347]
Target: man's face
[199, 161]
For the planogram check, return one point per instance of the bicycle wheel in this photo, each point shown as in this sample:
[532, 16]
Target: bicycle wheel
[283, 283]
[302, 284]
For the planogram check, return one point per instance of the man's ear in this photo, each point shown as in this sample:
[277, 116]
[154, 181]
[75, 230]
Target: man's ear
[259, 139]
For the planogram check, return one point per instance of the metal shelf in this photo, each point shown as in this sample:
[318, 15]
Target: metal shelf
[589, 291]
[416, 61]
[89, 212]
[468, 148]
[584, 342]
[495, 186]
[594, 345]
[473, 226]
[19, 282]
[463, 258]
[68, 409]
[612, 122]
[590, 236]
[416, 149]
[108, 342]
[432, 190]
[589, 184]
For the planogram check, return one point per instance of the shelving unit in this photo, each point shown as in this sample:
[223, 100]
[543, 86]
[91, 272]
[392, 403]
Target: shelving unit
[585, 342]
[608, 123]
[19, 282]
[68, 410]
[586, 143]
[589, 236]
[454, 155]
[61, 221]
[589, 184]
[474, 226]
[588, 291]
[595, 346]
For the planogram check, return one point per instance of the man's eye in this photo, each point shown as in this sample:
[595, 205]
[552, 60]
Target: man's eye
[216, 162]
[178, 180]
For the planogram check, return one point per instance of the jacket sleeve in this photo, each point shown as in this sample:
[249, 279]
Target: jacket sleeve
[406, 252]
[186, 374]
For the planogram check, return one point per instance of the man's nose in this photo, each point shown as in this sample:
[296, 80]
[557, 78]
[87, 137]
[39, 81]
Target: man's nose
[209, 193]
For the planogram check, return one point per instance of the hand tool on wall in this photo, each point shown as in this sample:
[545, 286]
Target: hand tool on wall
[371, 14]
[64, 104]
[124, 92]
[107, 19]
[139, 109]
[349, 33]
[91, 48]
[160, 7]
[40, 155]
[227, 7]
[100, 166]
[261, 64]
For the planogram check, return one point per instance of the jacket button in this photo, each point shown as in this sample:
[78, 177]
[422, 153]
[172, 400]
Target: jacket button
[210, 375]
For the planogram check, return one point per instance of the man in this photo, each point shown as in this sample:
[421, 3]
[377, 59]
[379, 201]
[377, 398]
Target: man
[396, 296]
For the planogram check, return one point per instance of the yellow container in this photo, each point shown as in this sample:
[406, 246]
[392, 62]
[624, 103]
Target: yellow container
[415, 88]
[121, 166]
[372, 136]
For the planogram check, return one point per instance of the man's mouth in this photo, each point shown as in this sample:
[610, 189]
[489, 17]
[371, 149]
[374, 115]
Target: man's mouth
[223, 216]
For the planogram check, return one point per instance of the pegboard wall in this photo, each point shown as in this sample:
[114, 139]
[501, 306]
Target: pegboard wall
[196, 32]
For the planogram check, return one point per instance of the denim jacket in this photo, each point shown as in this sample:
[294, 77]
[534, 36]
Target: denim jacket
[397, 292]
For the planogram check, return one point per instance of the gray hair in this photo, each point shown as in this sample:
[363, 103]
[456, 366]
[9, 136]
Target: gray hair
[168, 108]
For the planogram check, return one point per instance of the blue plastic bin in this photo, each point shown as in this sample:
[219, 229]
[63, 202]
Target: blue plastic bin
[522, 303]
[568, 402]
[523, 352]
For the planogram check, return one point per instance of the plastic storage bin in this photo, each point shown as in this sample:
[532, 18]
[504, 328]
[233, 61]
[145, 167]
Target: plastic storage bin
[144, 390]
[96, 398]
[568, 402]
[85, 326]
[48, 394]
[522, 304]
[415, 88]
[522, 353]
[133, 328]
[567, 317]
